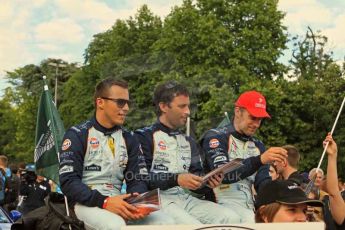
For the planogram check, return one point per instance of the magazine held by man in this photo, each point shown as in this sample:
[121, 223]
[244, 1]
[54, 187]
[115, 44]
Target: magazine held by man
[146, 202]
[224, 169]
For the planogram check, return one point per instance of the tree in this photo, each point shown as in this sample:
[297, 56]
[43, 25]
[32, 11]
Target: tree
[23, 99]
[315, 96]
[218, 47]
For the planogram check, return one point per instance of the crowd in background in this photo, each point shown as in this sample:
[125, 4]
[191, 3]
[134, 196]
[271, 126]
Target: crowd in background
[21, 189]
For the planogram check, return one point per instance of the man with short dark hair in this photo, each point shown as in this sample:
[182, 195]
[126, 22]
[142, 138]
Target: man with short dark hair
[174, 163]
[288, 168]
[97, 156]
[236, 140]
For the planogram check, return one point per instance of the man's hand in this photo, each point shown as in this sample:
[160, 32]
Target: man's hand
[189, 181]
[215, 180]
[117, 205]
[332, 148]
[273, 154]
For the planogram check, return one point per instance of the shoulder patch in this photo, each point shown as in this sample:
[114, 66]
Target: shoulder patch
[66, 144]
[213, 143]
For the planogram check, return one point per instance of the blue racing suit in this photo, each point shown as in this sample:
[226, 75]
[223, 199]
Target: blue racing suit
[224, 144]
[94, 162]
[169, 153]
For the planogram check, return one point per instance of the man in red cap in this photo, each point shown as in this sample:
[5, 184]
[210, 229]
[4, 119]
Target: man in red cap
[236, 140]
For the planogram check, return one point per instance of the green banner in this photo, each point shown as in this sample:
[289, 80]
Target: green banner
[49, 134]
[226, 121]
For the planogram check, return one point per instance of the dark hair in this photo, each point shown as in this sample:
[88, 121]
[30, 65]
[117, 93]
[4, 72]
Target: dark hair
[166, 93]
[21, 165]
[268, 211]
[14, 168]
[293, 155]
[102, 88]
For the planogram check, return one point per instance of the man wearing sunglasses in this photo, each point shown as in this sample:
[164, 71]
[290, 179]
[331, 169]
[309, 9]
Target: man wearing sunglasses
[97, 156]
[174, 163]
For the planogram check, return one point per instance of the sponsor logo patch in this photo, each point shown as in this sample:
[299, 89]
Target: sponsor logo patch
[93, 167]
[66, 169]
[66, 144]
[214, 143]
[160, 167]
[162, 145]
[94, 142]
[219, 159]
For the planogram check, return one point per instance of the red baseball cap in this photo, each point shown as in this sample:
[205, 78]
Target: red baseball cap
[254, 102]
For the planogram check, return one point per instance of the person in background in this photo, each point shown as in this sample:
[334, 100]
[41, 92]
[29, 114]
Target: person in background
[21, 167]
[273, 172]
[282, 201]
[337, 203]
[33, 188]
[316, 176]
[12, 189]
[288, 168]
[4, 174]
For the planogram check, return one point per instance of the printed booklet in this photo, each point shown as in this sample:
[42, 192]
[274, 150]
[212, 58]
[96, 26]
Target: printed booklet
[224, 169]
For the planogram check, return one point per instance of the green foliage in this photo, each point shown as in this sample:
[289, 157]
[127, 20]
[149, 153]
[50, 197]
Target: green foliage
[20, 106]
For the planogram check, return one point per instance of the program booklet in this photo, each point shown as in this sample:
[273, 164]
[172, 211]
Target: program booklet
[224, 169]
[146, 202]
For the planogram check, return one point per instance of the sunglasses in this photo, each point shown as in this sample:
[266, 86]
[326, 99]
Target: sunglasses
[119, 102]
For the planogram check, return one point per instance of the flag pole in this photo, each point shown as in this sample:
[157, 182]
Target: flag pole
[45, 88]
[312, 181]
[335, 123]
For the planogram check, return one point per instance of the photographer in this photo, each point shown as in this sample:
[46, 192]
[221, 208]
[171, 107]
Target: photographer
[33, 188]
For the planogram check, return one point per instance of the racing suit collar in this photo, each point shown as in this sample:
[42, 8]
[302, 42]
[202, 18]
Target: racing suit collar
[233, 132]
[104, 130]
[166, 129]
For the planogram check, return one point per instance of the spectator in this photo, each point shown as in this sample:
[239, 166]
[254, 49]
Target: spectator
[33, 188]
[273, 172]
[317, 177]
[337, 203]
[12, 189]
[288, 168]
[282, 201]
[4, 174]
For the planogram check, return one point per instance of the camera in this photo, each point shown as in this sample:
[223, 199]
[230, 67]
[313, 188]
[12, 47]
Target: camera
[28, 176]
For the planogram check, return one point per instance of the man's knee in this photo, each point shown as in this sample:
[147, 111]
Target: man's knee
[156, 218]
[96, 218]
[223, 215]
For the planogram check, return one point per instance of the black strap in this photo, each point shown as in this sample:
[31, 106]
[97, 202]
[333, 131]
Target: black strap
[56, 209]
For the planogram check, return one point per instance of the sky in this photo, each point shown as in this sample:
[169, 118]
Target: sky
[31, 31]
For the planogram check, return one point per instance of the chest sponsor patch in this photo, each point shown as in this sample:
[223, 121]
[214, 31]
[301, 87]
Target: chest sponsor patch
[219, 159]
[160, 167]
[162, 145]
[94, 142]
[214, 143]
[66, 169]
[66, 144]
[93, 168]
